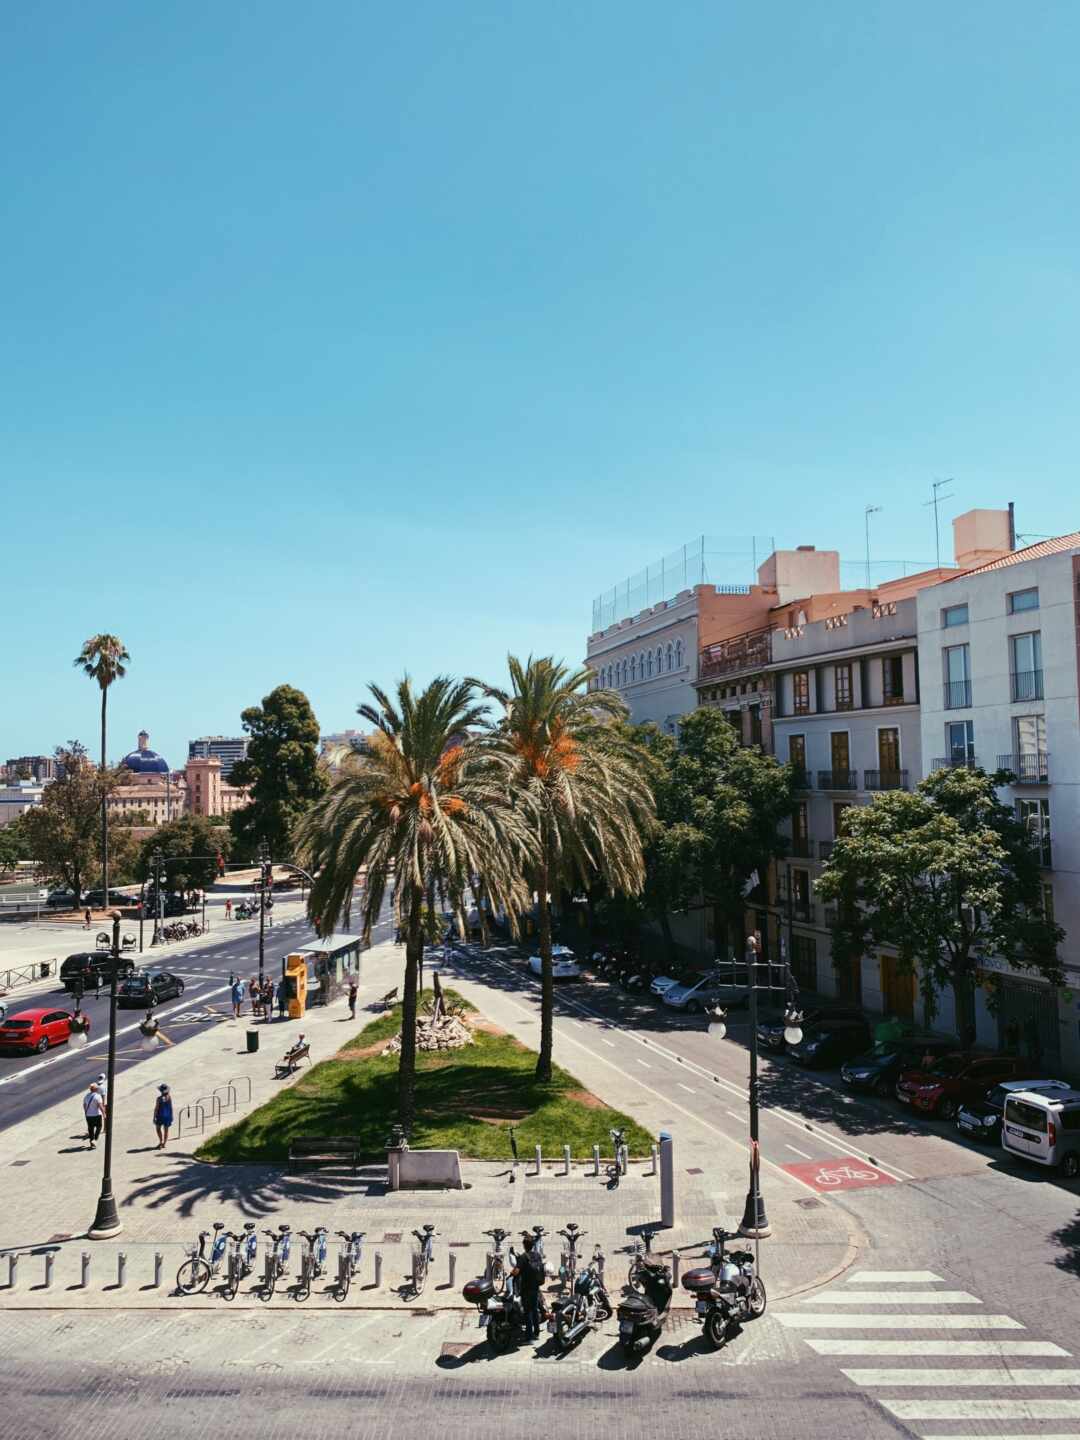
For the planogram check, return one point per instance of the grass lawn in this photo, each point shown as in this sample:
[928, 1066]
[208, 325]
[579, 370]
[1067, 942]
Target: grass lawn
[465, 1100]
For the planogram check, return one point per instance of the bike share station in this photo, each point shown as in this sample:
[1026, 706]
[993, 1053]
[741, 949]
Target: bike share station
[327, 966]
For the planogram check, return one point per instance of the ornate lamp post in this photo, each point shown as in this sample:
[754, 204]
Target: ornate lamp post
[107, 1220]
[264, 871]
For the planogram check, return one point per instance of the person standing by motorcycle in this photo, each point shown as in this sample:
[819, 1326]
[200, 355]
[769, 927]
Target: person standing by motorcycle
[228, 909]
[529, 1274]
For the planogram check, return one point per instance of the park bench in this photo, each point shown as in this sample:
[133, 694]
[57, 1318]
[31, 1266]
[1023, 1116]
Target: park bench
[292, 1058]
[315, 1152]
[389, 999]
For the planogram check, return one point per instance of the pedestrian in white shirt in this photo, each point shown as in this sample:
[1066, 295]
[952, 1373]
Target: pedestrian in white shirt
[94, 1109]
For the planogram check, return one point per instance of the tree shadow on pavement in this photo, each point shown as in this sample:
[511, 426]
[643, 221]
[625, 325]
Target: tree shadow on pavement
[1068, 1237]
[256, 1190]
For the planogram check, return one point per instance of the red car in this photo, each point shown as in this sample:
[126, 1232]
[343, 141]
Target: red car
[35, 1030]
[956, 1079]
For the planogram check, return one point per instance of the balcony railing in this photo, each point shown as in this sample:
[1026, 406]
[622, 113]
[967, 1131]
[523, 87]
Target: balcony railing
[1027, 685]
[743, 652]
[825, 849]
[885, 779]
[802, 910]
[1029, 769]
[802, 847]
[801, 779]
[958, 694]
[956, 762]
[838, 779]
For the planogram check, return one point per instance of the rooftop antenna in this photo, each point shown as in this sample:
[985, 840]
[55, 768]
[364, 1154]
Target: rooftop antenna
[935, 499]
[870, 510]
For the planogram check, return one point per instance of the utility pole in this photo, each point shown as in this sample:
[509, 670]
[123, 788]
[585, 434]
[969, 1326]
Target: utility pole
[107, 1220]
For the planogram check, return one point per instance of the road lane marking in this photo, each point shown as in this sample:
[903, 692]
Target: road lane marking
[1005, 1375]
[609, 1043]
[797, 1151]
[740, 1118]
[644, 1064]
[893, 1277]
[892, 1297]
[898, 1322]
[984, 1410]
[686, 1088]
[999, 1349]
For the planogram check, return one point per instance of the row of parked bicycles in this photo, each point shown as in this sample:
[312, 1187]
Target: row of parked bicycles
[179, 930]
[233, 1256]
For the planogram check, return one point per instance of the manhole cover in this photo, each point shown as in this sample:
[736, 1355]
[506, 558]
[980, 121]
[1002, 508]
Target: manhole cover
[810, 1204]
[392, 1237]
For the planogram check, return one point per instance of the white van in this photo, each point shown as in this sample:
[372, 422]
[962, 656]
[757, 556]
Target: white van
[1044, 1128]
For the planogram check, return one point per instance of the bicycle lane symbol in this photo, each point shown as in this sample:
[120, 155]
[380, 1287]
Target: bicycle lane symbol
[838, 1174]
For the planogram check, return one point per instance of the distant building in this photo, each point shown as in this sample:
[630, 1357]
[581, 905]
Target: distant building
[335, 747]
[226, 748]
[158, 794]
[17, 797]
[34, 767]
[206, 790]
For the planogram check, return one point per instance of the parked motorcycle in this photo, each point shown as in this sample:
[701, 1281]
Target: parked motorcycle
[586, 1305]
[501, 1315]
[727, 1291]
[642, 1314]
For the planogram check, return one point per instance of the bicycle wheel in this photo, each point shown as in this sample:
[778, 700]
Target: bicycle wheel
[193, 1276]
[266, 1289]
[232, 1280]
[341, 1289]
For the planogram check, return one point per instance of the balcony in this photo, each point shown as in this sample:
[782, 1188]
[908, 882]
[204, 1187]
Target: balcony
[801, 779]
[1027, 684]
[1033, 769]
[802, 910]
[956, 762]
[838, 779]
[958, 694]
[885, 779]
[750, 651]
[825, 849]
[802, 847]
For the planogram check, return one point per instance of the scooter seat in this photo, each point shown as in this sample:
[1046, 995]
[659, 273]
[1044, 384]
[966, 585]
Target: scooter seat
[637, 1309]
[478, 1290]
[703, 1279]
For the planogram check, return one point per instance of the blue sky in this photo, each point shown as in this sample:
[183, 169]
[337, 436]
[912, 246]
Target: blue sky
[341, 339]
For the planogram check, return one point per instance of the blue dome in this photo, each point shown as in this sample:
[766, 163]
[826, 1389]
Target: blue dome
[145, 761]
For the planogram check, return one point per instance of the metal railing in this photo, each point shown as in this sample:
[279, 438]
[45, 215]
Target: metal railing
[957, 694]
[801, 779]
[26, 974]
[802, 910]
[825, 849]
[885, 779]
[1029, 769]
[838, 779]
[956, 762]
[802, 847]
[1027, 684]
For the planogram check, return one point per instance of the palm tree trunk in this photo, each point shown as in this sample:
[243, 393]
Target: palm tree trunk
[414, 950]
[547, 986]
[104, 809]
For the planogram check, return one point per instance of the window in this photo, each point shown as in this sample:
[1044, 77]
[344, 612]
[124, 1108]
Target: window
[839, 814]
[892, 679]
[1034, 815]
[800, 830]
[1048, 901]
[804, 962]
[1029, 751]
[678, 654]
[650, 664]
[888, 749]
[1025, 666]
[633, 669]
[954, 615]
[796, 751]
[1023, 600]
[659, 659]
[800, 684]
[957, 664]
[670, 662]
[800, 894]
[843, 687]
[960, 742]
[840, 751]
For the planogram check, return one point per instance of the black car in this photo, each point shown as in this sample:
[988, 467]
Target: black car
[96, 898]
[770, 1031]
[981, 1119]
[830, 1042]
[170, 905]
[63, 899]
[144, 988]
[879, 1069]
[82, 971]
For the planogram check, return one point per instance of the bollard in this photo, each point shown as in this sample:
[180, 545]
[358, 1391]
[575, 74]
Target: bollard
[13, 1270]
[566, 1159]
[159, 1262]
[539, 1160]
[121, 1270]
[624, 1159]
[596, 1159]
[378, 1271]
[453, 1268]
[655, 1162]
[675, 1258]
[85, 1282]
[50, 1260]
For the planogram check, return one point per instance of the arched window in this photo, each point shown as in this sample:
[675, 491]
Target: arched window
[650, 664]
[670, 663]
[641, 664]
[633, 669]
[625, 673]
[678, 654]
[659, 659]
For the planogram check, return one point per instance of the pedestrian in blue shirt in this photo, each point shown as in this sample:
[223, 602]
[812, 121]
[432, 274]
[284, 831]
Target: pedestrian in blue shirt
[163, 1115]
[237, 997]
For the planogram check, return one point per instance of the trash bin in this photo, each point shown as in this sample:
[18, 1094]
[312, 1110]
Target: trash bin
[253, 1041]
[45, 966]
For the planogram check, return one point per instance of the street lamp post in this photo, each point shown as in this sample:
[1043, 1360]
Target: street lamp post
[264, 861]
[107, 1220]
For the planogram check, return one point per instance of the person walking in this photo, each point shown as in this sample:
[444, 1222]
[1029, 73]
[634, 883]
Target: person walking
[352, 997]
[237, 997]
[268, 998]
[529, 1272]
[86, 918]
[228, 909]
[163, 1115]
[94, 1109]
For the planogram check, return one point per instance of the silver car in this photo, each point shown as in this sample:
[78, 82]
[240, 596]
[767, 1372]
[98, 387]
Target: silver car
[700, 994]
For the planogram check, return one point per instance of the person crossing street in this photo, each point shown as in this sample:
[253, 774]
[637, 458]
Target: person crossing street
[94, 1110]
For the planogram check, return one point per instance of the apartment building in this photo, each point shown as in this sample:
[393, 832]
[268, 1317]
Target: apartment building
[227, 748]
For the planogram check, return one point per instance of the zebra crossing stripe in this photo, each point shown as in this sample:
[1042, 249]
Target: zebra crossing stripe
[957, 1375]
[984, 1410]
[947, 1349]
[1070, 1435]
[892, 1297]
[893, 1277]
[871, 1321]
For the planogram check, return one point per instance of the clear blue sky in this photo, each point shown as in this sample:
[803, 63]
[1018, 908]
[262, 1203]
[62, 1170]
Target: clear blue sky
[342, 338]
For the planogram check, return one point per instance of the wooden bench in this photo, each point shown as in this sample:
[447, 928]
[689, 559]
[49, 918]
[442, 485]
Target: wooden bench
[292, 1058]
[311, 1154]
[389, 999]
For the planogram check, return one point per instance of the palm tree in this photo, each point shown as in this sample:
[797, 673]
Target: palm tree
[104, 659]
[427, 811]
[581, 780]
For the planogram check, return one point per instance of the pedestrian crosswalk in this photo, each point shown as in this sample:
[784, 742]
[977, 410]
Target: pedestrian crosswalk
[898, 1302]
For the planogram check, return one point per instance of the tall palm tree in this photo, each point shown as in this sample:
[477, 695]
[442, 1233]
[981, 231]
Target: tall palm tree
[104, 659]
[581, 781]
[427, 811]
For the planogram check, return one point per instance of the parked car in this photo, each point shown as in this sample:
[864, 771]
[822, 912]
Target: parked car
[830, 1042]
[63, 899]
[699, 992]
[564, 965]
[659, 985]
[35, 1029]
[143, 988]
[954, 1080]
[85, 968]
[878, 1070]
[1044, 1128]
[170, 905]
[771, 1027]
[981, 1119]
[96, 898]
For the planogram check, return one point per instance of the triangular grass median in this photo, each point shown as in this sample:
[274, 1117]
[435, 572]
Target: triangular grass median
[465, 1100]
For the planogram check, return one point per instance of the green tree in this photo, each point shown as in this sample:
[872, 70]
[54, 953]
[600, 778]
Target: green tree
[947, 876]
[579, 776]
[14, 843]
[193, 843]
[427, 811]
[282, 769]
[64, 831]
[104, 660]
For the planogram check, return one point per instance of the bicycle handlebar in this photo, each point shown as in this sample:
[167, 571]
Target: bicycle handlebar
[356, 1234]
[574, 1235]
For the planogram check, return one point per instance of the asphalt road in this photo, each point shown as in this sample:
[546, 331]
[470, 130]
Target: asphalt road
[31, 1083]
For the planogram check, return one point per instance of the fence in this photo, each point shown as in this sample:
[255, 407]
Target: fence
[25, 974]
[703, 561]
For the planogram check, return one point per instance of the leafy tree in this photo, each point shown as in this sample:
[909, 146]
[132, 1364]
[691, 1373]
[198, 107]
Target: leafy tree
[282, 769]
[947, 875]
[103, 659]
[14, 843]
[188, 836]
[64, 831]
[580, 778]
[425, 810]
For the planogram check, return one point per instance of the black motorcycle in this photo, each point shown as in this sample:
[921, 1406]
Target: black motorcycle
[642, 1314]
[501, 1315]
[586, 1305]
[727, 1291]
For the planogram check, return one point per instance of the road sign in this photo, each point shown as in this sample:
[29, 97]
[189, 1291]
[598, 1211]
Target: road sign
[828, 1176]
